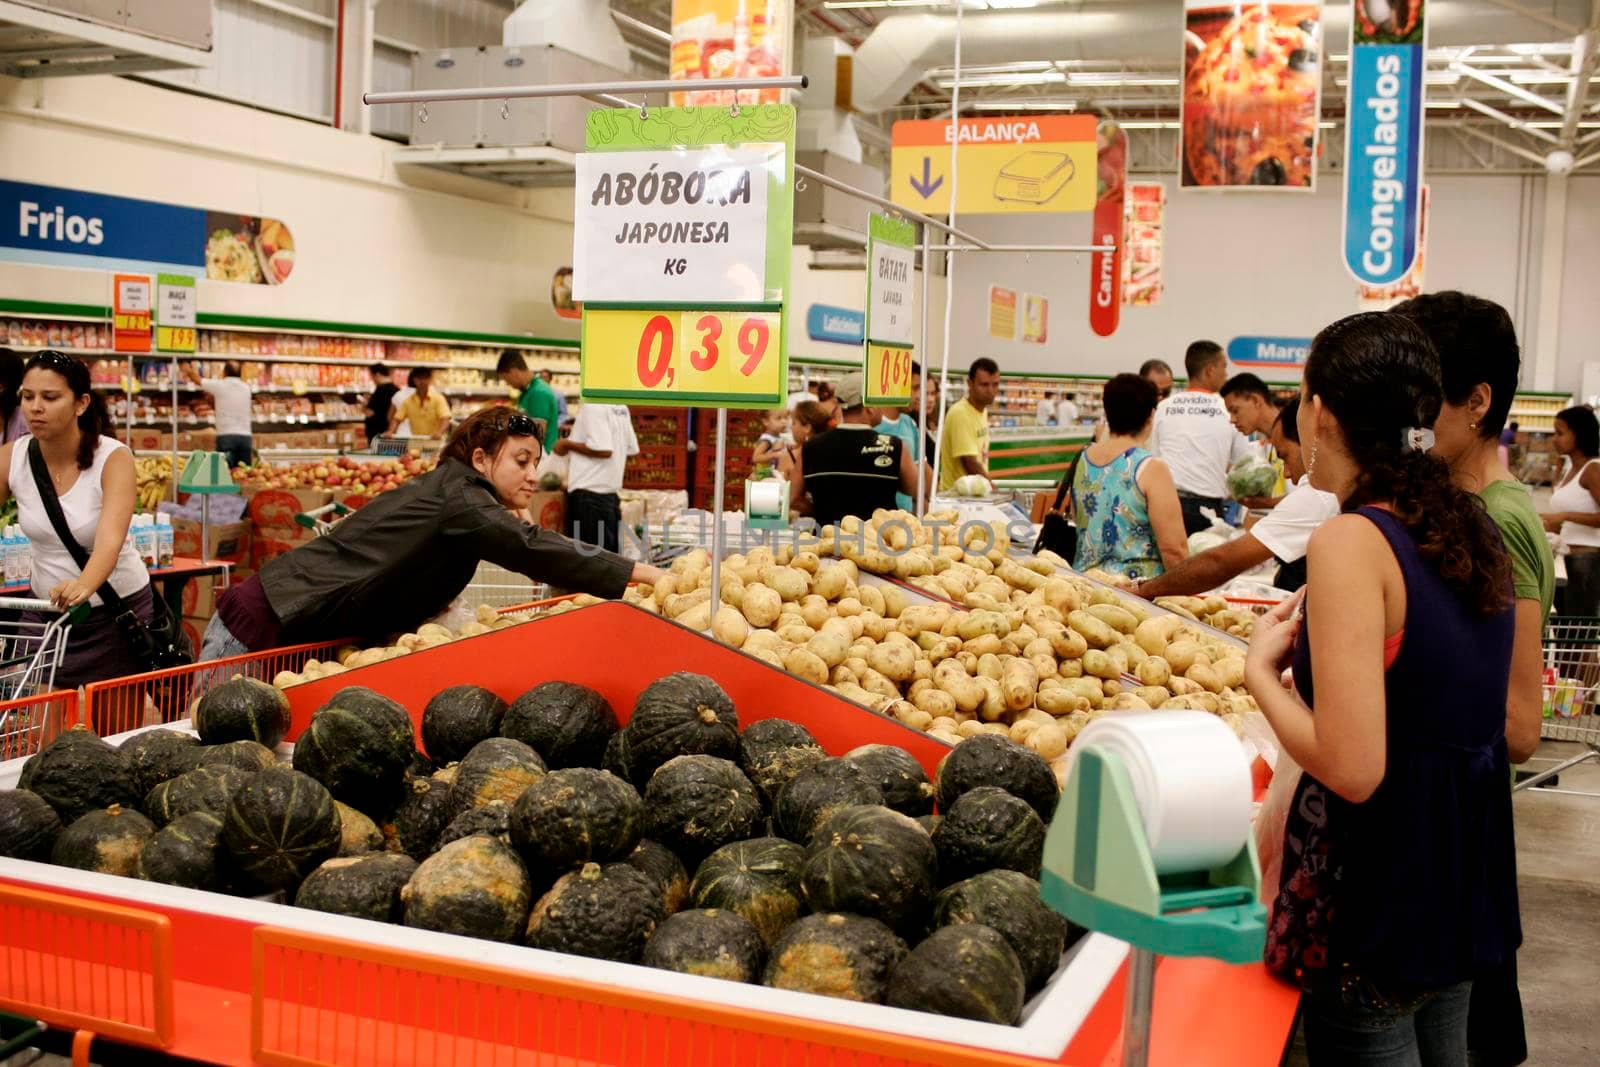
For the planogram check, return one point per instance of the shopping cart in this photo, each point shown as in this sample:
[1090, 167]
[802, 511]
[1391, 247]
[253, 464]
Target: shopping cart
[1571, 691]
[30, 652]
[317, 519]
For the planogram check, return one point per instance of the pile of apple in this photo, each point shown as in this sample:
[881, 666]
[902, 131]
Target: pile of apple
[343, 473]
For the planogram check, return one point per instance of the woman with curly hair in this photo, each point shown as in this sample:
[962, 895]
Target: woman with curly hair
[1399, 865]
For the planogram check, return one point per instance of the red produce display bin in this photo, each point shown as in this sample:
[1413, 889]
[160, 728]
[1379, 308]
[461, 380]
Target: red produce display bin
[250, 981]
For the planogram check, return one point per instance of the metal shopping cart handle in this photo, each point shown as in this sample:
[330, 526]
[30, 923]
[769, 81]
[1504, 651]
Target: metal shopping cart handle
[20, 603]
[309, 519]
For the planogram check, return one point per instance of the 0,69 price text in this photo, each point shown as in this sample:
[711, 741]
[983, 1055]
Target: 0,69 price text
[889, 374]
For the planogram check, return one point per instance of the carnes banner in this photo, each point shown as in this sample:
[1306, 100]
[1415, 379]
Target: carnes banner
[1383, 148]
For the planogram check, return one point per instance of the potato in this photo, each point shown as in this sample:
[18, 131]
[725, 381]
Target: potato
[1119, 656]
[698, 617]
[1181, 654]
[894, 601]
[791, 584]
[1060, 701]
[922, 618]
[1066, 643]
[761, 605]
[986, 645]
[1090, 689]
[1154, 695]
[832, 581]
[1019, 682]
[806, 561]
[971, 728]
[1154, 671]
[968, 661]
[1100, 665]
[1231, 672]
[1060, 596]
[894, 661]
[1048, 741]
[730, 626]
[828, 646]
[1014, 574]
[796, 633]
[1094, 631]
[994, 701]
[1021, 728]
[1205, 676]
[989, 666]
[1182, 687]
[284, 679]
[912, 716]
[979, 623]
[1114, 616]
[1073, 724]
[803, 663]
[873, 682]
[954, 680]
[1070, 668]
[814, 610]
[1127, 702]
[1044, 666]
[1110, 687]
[842, 674]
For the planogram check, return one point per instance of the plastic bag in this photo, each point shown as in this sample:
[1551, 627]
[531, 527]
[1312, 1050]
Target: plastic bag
[1252, 476]
[550, 463]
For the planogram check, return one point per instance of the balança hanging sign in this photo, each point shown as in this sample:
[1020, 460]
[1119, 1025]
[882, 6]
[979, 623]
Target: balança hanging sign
[1383, 146]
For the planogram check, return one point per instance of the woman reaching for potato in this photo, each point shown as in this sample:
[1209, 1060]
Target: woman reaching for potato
[403, 558]
[1399, 867]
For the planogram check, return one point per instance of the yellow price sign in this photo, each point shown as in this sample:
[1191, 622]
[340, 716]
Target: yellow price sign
[888, 375]
[176, 339]
[732, 358]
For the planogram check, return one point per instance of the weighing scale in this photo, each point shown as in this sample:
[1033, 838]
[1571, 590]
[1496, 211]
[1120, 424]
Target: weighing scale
[1098, 871]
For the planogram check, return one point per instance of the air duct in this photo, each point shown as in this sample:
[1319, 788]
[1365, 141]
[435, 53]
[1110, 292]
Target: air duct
[903, 48]
[584, 29]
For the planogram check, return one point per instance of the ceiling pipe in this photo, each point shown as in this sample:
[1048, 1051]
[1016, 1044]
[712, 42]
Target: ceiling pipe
[898, 54]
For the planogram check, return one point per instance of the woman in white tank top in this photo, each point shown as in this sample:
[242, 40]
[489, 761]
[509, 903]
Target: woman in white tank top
[1575, 509]
[94, 479]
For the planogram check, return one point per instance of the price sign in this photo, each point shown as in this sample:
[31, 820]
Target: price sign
[130, 309]
[176, 313]
[888, 375]
[890, 338]
[683, 357]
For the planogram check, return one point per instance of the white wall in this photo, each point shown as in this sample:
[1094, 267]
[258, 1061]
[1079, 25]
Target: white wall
[1269, 264]
[456, 254]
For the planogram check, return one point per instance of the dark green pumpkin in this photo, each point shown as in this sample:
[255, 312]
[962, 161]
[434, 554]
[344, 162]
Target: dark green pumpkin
[108, 841]
[279, 827]
[359, 745]
[245, 755]
[28, 826]
[184, 852]
[242, 709]
[476, 887]
[708, 942]
[844, 956]
[77, 773]
[458, 718]
[988, 828]
[772, 752]
[998, 761]
[603, 912]
[209, 788]
[872, 861]
[758, 879]
[496, 769]
[682, 714]
[155, 756]
[968, 971]
[899, 777]
[566, 723]
[420, 766]
[615, 758]
[573, 816]
[492, 820]
[1009, 903]
[362, 887]
[663, 867]
[816, 793]
[357, 832]
[424, 811]
[696, 804]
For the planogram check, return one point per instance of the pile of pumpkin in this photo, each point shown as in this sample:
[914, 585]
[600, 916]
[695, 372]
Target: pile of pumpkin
[679, 841]
[1034, 655]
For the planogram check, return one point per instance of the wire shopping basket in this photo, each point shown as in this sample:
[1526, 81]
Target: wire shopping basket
[1571, 690]
[30, 652]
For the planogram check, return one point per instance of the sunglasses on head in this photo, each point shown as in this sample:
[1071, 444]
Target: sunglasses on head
[51, 358]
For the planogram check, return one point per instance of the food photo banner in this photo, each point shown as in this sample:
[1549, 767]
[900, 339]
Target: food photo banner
[60, 227]
[682, 226]
[1252, 84]
[728, 39]
[1141, 255]
[1383, 140]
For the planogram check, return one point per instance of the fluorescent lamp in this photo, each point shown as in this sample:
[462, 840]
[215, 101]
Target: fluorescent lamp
[1117, 79]
[1042, 103]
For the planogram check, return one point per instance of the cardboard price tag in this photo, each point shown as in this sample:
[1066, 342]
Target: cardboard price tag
[676, 357]
[888, 375]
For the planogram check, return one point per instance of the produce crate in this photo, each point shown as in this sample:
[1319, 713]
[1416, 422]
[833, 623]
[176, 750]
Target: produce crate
[29, 723]
[657, 467]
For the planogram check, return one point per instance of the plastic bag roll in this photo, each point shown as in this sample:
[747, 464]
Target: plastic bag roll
[1190, 781]
[765, 499]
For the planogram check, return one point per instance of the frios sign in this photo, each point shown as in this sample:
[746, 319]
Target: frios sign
[1383, 147]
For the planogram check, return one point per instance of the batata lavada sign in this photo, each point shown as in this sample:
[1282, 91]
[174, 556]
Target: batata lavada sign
[1383, 146]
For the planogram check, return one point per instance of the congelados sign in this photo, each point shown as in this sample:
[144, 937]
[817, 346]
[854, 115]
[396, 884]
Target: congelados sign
[686, 227]
[1383, 150]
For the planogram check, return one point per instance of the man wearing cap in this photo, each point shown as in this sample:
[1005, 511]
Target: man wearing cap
[852, 469]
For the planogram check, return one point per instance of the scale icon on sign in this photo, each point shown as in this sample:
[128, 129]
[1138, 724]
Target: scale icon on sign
[1034, 177]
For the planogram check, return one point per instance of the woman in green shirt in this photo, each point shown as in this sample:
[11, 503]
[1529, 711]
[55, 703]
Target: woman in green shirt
[1480, 364]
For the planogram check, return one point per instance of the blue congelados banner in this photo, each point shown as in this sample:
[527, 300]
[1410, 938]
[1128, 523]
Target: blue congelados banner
[1383, 139]
[71, 228]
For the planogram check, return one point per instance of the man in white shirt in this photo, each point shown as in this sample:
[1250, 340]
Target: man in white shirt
[1283, 533]
[1196, 437]
[597, 448]
[231, 402]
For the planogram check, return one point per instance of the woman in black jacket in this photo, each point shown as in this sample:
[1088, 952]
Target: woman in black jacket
[402, 559]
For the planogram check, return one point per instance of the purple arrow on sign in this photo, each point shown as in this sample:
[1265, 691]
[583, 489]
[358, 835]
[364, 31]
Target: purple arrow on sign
[929, 184]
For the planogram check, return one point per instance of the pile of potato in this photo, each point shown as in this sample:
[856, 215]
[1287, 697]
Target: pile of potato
[1214, 612]
[428, 635]
[1036, 655]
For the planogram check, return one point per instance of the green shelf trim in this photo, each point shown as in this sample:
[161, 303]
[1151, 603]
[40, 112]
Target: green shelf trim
[47, 309]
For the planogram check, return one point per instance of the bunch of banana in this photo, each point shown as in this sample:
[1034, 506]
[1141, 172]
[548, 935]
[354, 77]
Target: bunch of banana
[154, 480]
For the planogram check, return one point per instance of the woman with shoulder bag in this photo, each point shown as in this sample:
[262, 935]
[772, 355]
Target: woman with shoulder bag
[90, 477]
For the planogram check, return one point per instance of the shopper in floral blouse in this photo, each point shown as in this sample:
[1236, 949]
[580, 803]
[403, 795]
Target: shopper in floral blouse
[1124, 503]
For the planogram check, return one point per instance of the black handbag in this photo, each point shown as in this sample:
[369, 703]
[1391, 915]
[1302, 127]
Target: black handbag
[1056, 532]
[158, 644]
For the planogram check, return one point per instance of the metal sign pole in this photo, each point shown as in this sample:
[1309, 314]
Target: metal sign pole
[927, 374]
[717, 536]
[174, 374]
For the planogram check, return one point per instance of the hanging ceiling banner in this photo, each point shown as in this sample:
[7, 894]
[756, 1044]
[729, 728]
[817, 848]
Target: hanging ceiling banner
[1252, 86]
[1141, 255]
[729, 39]
[1383, 140]
[1384, 297]
[1027, 165]
[1105, 268]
